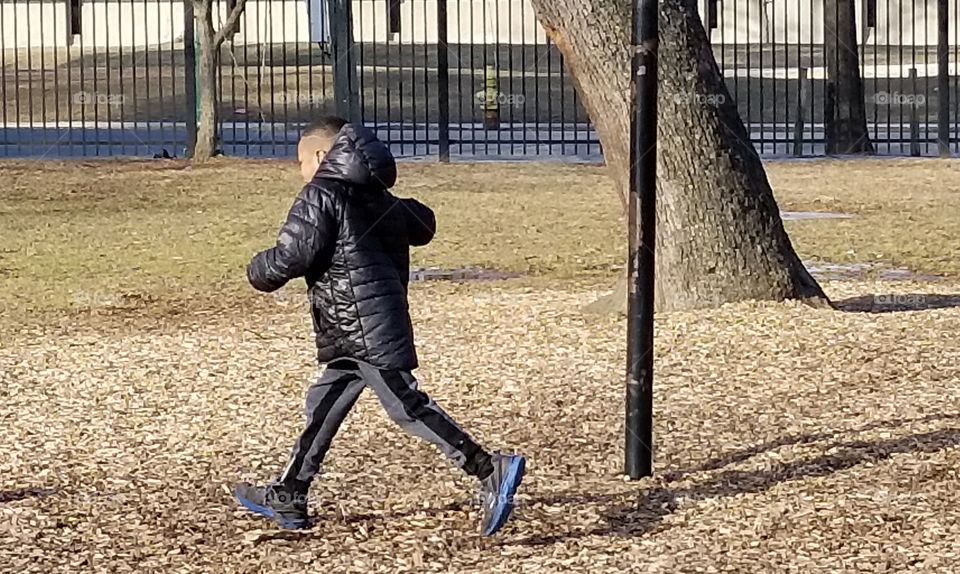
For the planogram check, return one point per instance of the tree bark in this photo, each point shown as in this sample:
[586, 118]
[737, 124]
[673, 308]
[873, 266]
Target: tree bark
[845, 109]
[719, 234]
[208, 66]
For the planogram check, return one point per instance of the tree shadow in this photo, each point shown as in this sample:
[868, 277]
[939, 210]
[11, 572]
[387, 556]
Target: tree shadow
[807, 438]
[645, 514]
[897, 302]
[838, 456]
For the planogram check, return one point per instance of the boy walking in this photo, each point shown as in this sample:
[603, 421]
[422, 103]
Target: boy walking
[350, 238]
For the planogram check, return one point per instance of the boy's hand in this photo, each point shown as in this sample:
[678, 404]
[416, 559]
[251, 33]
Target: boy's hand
[256, 278]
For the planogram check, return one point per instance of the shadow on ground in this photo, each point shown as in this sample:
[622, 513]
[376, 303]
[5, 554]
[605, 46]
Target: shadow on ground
[24, 493]
[807, 438]
[635, 514]
[642, 512]
[897, 302]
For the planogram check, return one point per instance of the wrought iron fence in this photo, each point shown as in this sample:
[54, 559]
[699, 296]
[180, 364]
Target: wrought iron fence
[772, 55]
[447, 78]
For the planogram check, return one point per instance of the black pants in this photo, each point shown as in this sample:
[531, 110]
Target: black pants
[335, 392]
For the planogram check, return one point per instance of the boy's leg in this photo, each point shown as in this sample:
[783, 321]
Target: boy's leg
[416, 412]
[328, 402]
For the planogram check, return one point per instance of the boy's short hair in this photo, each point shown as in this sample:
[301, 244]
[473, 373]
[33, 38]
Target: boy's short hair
[326, 126]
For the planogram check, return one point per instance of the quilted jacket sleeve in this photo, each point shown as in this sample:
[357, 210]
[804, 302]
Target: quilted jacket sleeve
[421, 222]
[310, 228]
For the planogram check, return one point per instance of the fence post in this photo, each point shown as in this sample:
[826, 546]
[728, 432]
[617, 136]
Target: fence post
[943, 75]
[443, 82]
[393, 16]
[345, 86]
[801, 110]
[190, 77]
[829, 118]
[914, 116]
[868, 17]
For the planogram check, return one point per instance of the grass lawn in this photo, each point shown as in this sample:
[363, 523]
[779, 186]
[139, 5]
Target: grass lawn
[140, 377]
[162, 237]
[165, 234]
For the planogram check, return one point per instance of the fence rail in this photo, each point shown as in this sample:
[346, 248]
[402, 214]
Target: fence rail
[448, 78]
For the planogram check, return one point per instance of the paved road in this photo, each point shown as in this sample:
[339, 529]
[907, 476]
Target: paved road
[575, 142]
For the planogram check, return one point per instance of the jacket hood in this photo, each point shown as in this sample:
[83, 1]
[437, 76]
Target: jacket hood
[357, 157]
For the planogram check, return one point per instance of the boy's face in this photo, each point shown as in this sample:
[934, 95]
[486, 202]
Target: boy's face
[311, 151]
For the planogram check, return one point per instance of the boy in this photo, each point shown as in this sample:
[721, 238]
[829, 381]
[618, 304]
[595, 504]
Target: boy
[350, 238]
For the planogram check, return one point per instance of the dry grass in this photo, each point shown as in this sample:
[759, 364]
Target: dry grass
[789, 439]
[151, 234]
[161, 237]
[907, 211]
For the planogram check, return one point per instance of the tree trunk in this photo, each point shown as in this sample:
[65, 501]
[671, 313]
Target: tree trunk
[765, 26]
[207, 66]
[719, 234]
[845, 109]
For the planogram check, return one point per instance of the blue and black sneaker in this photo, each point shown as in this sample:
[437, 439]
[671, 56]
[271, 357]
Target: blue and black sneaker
[286, 506]
[498, 491]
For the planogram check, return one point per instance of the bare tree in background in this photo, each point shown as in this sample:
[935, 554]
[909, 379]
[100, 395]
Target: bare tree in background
[720, 236]
[210, 41]
[845, 109]
[765, 25]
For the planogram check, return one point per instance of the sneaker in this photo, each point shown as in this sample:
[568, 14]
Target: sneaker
[287, 507]
[498, 491]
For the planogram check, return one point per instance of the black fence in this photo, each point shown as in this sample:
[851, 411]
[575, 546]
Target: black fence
[466, 79]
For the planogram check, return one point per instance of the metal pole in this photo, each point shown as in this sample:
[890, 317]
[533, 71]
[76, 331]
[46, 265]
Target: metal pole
[802, 104]
[191, 110]
[345, 83]
[642, 216]
[443, 82]
[914, 116]
[393, 16]
[943, 75]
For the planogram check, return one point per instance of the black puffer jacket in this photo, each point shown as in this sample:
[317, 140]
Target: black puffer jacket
[350, 238]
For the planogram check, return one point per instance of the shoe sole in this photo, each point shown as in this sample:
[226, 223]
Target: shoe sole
[285, 523]
[511, 482]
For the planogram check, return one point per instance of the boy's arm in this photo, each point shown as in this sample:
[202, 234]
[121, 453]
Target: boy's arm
[421, 222]
[307, 232]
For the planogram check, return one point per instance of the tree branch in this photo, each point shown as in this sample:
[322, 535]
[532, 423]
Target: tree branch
[231, 25]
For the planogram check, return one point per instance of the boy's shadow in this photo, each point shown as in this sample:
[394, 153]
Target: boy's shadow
[894, 303]
[643, 512]
[24, 493]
